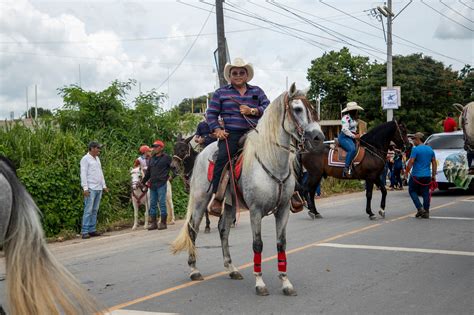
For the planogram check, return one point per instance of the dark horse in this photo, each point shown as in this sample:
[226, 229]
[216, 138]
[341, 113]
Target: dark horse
[376, 143]
[184, 156]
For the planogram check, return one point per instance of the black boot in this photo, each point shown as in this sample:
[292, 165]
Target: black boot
[426, 214]
[420, 213]
[162, 224]
[152, 225]
[346, 172]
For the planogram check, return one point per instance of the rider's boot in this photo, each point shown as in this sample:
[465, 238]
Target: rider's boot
[296, 202]
[215, 206]
[420, 213]
[153, 225]
[346, 173]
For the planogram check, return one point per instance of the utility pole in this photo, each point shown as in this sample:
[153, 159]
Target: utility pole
[36, 102]
[80, 83]
[221, 42]
[27, 109]
[389, 55]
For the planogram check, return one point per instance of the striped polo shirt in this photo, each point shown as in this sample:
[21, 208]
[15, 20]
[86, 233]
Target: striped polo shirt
[226, 102]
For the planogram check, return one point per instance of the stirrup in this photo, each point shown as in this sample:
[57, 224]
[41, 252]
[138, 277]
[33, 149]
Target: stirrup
[346, 172]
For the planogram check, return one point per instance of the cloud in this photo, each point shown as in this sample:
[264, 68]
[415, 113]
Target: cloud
[448, 29]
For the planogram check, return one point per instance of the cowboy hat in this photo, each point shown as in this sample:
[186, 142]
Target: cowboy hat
[351, 106]
[238, 63]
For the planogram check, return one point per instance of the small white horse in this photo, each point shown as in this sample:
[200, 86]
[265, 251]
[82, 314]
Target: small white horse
[141, 196]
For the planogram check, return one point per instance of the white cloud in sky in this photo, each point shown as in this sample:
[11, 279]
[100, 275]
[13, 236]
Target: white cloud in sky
[46, 42]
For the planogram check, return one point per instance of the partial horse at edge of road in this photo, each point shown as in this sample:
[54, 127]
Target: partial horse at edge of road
[266, 184]
[466, 121]
[376, 143]
[36, 283]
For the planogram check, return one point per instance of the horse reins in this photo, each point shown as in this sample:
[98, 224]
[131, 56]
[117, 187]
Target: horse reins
[139, 198]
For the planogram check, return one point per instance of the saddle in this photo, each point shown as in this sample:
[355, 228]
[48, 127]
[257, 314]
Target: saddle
[337, 155]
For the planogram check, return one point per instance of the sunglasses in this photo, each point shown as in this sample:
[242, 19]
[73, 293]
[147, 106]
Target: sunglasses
[238, 73]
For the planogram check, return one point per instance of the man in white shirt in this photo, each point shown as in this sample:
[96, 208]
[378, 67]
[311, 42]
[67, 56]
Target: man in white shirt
[93, 183]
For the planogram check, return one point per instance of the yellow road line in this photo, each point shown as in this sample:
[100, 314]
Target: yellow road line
[250, 264]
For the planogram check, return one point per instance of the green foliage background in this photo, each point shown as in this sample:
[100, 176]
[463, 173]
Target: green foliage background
[48, 155]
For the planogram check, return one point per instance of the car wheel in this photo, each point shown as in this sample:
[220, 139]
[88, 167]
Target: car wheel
[443, 186]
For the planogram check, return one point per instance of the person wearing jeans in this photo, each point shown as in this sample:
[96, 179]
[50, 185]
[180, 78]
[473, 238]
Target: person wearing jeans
[422, 156]
[93, 183]
[158, 174]
[349, 134]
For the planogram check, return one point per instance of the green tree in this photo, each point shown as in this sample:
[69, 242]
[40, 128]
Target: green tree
[186, 105]
[428, 89]
[332, 76]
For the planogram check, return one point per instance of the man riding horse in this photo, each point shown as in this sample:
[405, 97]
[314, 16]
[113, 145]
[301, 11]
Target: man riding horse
[240, 105]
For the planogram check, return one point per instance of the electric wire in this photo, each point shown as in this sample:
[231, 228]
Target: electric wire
[466, 5]
[455, 11]
[442, 14]
[394, 35]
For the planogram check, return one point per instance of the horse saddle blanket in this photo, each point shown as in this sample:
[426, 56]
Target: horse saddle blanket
[337, 156]
[237, 168]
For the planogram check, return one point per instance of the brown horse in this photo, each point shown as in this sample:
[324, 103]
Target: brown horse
[376, 143]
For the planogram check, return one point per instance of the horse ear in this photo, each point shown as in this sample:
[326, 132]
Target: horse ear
[459, 107]
[305, 90]
[179, 137]
[292, 91]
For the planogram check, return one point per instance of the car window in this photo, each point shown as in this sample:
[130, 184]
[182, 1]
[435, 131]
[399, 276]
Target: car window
[438, 142]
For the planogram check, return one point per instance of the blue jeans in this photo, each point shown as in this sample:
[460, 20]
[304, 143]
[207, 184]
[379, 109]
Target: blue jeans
[158, 195]
[348, 144]
[91, 207]
[423, 189]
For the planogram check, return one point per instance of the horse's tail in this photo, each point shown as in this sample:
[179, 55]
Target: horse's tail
[184, 241]
[36, 282]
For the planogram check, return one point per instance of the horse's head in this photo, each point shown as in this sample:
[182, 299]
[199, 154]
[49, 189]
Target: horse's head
[182, 150]
[136, 174]
[401, 138]
[302, 120]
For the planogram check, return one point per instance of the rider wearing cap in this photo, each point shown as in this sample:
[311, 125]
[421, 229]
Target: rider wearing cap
[240, 105]
[144, 158]
[349, 135]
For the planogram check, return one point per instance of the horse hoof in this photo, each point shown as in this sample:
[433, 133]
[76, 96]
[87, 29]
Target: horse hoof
[235, 275]
[134, 228]
[196, 276]
[262, 291]
[289, 292]
[207, 230]
[311, 215]
[372, 217]
[382, 213]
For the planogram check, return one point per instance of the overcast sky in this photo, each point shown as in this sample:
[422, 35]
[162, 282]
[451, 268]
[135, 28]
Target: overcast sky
[91, 43]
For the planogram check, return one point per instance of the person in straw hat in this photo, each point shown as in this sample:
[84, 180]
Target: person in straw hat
[240, 105]
[348, 134]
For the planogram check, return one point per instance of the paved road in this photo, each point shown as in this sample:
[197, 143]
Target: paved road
[342, 264]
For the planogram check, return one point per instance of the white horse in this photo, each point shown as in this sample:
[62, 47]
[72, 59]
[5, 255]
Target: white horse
[266, 184]
[36, 283]
[141, 196]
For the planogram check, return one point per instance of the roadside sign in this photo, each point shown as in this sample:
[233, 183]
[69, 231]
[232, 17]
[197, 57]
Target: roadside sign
[391, 97]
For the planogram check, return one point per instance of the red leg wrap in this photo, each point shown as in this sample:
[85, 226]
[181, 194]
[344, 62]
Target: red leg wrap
[281, 261]
[257, 262]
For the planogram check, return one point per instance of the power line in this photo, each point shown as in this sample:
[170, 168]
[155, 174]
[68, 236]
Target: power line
[406, 40]
[441, 13]
[187, 52]
[466, 5]
[457, 12]
[325, 29]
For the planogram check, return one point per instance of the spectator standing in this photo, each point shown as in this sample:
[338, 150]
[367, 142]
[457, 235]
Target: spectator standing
[158, 175]
[422, 156]
[203, 136]
[93, 184]
[449, 124]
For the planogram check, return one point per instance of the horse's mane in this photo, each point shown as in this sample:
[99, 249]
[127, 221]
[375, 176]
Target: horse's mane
[262, 140]
[8, 162]
[376, 135]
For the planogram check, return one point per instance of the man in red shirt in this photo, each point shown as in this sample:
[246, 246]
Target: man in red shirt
[450, 124]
